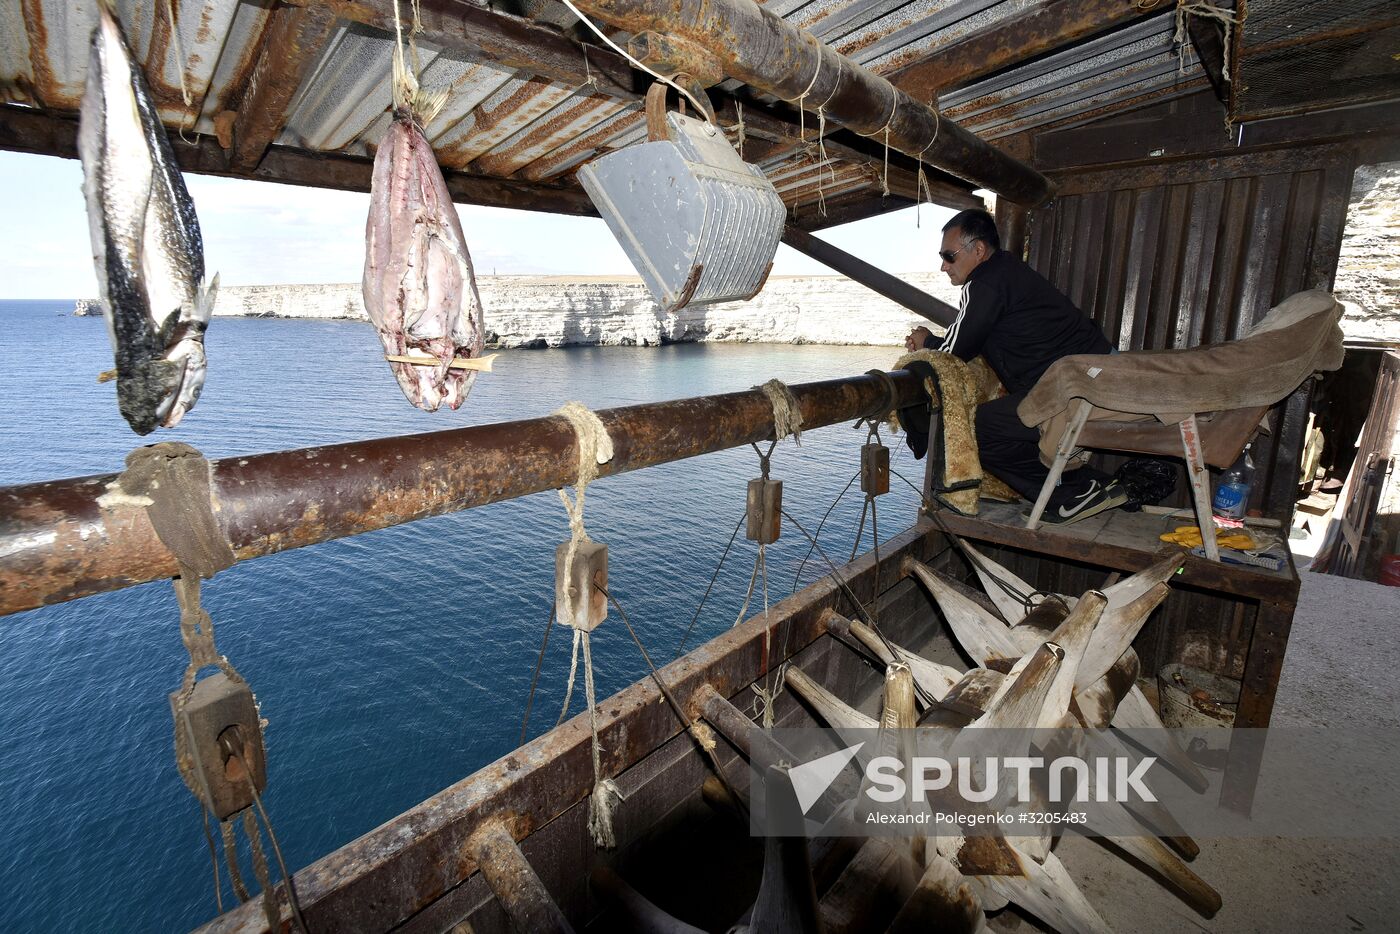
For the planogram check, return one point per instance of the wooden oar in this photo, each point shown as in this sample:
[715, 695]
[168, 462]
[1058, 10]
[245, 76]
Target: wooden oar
[480, 364]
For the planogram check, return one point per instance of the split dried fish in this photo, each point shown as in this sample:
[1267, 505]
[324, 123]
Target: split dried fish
[145, 239]
[419, 287]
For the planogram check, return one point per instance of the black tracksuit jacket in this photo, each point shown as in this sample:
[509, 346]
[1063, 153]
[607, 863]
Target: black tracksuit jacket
[1019, 321]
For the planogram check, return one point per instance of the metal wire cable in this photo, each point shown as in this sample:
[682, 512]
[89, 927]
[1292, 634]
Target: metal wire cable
[797, 578]
[679, 711]
[535, 678]
[213, 857]
[713, 577]
[836, 575]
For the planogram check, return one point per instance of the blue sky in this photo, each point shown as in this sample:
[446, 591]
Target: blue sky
[258, 233]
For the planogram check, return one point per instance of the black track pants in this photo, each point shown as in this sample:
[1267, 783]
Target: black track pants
[1011, 451]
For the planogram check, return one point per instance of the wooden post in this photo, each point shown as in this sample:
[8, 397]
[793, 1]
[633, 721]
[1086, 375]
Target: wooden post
[872, 277]
[513, 881]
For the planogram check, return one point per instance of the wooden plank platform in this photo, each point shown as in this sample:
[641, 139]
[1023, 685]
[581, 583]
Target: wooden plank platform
[1124, 541]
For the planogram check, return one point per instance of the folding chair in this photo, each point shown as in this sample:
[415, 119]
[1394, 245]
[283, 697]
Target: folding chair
[1202, 404]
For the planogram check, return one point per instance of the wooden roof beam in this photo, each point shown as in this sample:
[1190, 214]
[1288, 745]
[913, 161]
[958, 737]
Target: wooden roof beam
[1048, 27]
[28, 130]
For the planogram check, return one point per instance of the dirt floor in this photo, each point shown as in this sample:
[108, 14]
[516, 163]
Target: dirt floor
[1345, 643]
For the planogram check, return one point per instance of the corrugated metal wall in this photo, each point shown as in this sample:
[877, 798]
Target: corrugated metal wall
[1184, 253]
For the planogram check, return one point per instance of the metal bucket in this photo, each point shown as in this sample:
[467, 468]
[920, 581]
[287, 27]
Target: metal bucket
[1202, 705]
[699, 224]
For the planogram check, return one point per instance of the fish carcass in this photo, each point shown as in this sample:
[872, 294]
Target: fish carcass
[145, 239]
[419, 287]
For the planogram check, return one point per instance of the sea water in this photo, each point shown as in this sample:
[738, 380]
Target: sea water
[391, 664]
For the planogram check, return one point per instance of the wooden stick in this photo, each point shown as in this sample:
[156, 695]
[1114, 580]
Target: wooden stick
[1187, 513]
[481, 364]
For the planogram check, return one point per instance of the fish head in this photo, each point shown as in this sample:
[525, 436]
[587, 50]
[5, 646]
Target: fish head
[147, 392]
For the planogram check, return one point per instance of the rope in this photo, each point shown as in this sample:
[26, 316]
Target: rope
[885, 178]
[594, 447]
[739, 128]
[185, 94]
[922, 185]
[703, 111]
[231, 857]
[408, 95]
[250, 828]
[1205, 10]
[787, 412]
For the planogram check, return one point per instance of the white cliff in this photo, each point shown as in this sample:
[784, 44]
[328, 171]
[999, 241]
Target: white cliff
[555, 311]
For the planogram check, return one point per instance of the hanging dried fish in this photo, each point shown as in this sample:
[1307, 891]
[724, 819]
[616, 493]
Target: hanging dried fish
[145, 238]
[419, 287]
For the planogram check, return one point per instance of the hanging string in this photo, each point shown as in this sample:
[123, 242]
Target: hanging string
[739, 129]
[923, 185]
[594, 447]
[180, 60]
[636, 64]
[885, 178]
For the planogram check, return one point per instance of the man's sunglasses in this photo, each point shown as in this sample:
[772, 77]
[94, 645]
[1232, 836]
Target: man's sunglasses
[947, 255]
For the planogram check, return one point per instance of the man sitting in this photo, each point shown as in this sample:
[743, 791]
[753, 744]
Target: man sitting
[1022, 324]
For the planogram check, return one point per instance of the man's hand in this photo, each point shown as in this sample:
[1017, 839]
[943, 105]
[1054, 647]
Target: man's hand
[917, 338]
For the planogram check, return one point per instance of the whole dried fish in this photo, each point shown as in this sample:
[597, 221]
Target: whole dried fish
[145, 239]
[419, 287]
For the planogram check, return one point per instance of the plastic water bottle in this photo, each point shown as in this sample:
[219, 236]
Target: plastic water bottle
[1232, 495]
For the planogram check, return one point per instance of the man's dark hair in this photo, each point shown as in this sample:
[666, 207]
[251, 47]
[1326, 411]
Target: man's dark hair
[975, 225]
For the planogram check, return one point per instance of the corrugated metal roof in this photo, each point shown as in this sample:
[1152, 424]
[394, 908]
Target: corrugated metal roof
[506, 123]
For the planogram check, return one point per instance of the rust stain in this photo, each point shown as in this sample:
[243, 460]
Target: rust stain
[506, 161]
[548, 165]
[45, 89]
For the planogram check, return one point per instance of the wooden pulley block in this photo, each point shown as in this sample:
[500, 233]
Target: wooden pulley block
[220, 704]
[765, 510]
[874, 469]
[581, 585]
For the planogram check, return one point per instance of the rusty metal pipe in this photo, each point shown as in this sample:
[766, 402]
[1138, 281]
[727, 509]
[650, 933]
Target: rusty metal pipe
[57, 543]
[776, 57]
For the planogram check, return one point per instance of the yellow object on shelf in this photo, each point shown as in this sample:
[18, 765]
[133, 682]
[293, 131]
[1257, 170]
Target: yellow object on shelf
[1189, 536]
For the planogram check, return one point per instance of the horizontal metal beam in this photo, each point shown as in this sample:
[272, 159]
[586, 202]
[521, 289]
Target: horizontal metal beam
[776, 57]
[57, 543]
[872, 277]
